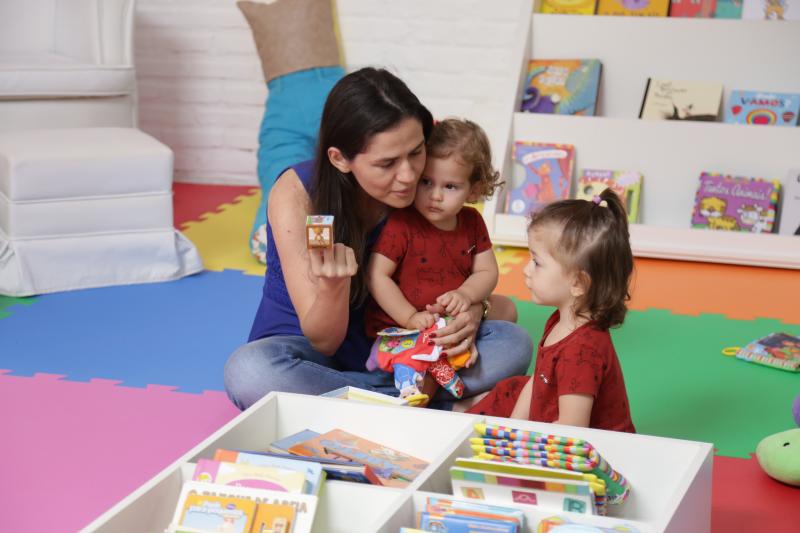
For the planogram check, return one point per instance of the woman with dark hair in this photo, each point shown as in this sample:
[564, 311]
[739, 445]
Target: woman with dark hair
[308, 333]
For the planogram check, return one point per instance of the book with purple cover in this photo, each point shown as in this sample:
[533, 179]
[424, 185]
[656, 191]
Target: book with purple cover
[735, 203]
[547, 176]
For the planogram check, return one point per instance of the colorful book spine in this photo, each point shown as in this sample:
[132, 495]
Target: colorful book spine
[634, 8]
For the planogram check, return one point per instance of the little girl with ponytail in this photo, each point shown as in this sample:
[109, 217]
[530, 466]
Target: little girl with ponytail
[581, 263]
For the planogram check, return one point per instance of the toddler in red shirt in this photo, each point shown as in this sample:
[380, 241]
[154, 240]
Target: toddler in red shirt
[437, 254]
[581, 263]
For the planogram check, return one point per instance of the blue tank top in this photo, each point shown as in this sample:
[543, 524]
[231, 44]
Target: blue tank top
[276, 314]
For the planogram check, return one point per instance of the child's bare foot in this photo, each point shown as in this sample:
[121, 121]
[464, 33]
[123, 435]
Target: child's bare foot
[463, 405]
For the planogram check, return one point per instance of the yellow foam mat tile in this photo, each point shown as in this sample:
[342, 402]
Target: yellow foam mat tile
[222, 238]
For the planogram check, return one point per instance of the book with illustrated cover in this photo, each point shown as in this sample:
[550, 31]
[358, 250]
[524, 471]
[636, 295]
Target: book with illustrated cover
[627, 185]
[771, 9]
[762, 108]
[217, 513]
[692, 8]
[728, 9]
[337, 469]
[312, 471]
[283, 445]
[790, 205]
[569, 7]
[474, 509]
[273, 518]
[543, 175]
[558, 495]
[735, 203]
[561, 86]
[249, 475]
[681, 100]
[636, 8]
[305, 505]
[430, 521]
[778, 350]
[393, 468]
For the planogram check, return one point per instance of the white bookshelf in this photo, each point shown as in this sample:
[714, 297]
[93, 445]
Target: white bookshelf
[670, 479]
[740, 54]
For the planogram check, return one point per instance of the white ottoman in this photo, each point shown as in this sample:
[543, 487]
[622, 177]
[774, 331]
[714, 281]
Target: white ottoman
[87, 207]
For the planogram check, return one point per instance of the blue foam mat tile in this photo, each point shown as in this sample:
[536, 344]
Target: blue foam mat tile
[177, 333]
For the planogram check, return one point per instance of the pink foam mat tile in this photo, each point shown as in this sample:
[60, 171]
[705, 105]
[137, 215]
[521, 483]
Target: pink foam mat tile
[77, 448]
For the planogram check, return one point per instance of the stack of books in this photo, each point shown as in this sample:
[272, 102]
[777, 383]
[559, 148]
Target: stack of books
[276, 490]
[528, 468]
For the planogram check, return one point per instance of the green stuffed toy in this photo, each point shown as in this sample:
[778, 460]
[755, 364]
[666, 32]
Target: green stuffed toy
[779, 454]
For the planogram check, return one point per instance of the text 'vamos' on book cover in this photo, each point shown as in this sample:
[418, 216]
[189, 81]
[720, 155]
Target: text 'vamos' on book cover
[761, 108]
[735, 203]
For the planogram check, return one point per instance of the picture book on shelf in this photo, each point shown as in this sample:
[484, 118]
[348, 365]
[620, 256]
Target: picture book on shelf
[636, 8]
[249, 475]
[627, 185]
[778, 350]
[762, 108]
[735, 203]
[312, 471]
[728, 9]
[569, 7]
[681, 100]
[217, 513]
[771, 9]
[561, 86]
[304, 505]
[789, 223]
[393, 468]
[283, 445]
[692, 8]
[544, 174]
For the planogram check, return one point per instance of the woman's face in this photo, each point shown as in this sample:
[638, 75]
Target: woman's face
[390, 165]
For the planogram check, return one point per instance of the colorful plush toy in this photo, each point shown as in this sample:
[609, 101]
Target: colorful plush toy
[779, 454]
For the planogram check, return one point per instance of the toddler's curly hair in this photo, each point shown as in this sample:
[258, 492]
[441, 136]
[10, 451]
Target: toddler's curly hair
[469, 143]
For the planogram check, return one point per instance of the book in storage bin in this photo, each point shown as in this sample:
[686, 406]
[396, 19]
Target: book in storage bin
[670, 479]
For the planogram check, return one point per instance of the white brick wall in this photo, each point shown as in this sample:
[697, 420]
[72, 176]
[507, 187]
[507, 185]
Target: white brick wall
[202, 92]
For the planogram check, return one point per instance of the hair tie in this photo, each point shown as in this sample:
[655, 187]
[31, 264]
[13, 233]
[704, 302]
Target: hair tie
[599, 201]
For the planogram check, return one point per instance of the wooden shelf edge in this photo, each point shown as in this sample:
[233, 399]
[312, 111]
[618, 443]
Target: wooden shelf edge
[684, 244]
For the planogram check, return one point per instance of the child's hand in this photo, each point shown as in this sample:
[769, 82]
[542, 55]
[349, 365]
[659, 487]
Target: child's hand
[421, 320]
[454, 302]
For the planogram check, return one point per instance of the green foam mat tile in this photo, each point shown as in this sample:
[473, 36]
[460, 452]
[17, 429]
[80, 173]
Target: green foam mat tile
[681, 386]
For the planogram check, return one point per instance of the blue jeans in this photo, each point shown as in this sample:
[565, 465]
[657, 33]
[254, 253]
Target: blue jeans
[288, 363]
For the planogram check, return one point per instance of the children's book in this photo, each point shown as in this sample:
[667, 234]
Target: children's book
[637, 8]
[273, 518]
[735, 203]
[366, 396]
[562, 86]
[771, 9]
[692, 8]
[790, 208]
[555, 524]
[765, 109]
[459, 524]
[337, 469]
[249, 475]
[283, 445]
[728, 9]
[217, 513]
[569, 7]
[627, 185]
[312, 471]
[557, 495]
[305, 505]
[543, 175]
[392, 467]
[474, 509]
[681, 100]
[778, 350]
